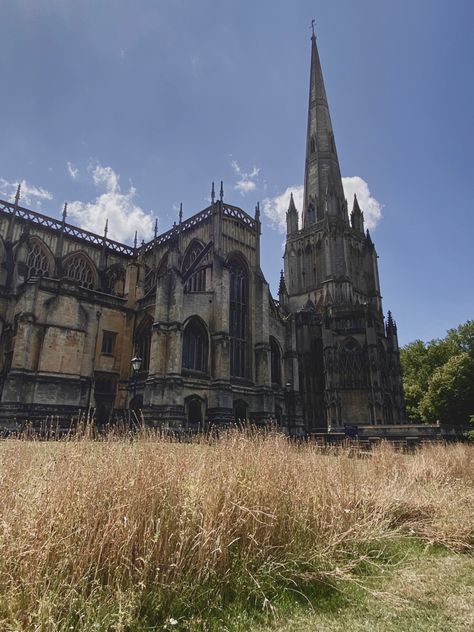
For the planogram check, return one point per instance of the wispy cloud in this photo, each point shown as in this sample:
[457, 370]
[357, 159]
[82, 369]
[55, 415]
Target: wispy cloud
[120, 208]
[31, 195]
[72, 170]
[275, 208]
[246, 180]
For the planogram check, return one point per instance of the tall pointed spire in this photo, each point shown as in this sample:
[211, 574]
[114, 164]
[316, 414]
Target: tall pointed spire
[322, 183]
[291, 217]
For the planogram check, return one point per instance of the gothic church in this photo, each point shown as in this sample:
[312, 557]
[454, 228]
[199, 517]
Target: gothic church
[194, 311]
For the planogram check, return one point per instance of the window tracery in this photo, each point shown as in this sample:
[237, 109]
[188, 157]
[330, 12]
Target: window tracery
[77, 268]
[197, 280]
[37, 261]
[195, 347]
[238, 317]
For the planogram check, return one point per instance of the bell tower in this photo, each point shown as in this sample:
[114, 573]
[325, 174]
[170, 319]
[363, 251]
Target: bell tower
[349, 366]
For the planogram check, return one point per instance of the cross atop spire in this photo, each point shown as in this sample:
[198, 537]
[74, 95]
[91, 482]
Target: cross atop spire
[323, 190]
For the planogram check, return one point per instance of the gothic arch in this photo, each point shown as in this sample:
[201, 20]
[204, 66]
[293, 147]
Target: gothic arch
[194, 407]
[114, 280]
[39, 260]
[240, 409]
[275, 361]
[194, 249]
[142, 339]
[78, 266]
[195, 351]
[239, 321]
[352, 370]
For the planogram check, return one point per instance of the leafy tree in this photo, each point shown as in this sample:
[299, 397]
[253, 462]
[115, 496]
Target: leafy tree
[450, 394]
[434, 382]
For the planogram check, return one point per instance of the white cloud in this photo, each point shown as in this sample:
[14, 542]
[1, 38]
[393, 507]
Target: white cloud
[371, 207]
[72, 170]
[246, 181]
[31, 195]
[120, 208]
[275, 208]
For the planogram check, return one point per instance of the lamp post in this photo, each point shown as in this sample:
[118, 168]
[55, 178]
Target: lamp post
[136, 363]
[288, 405]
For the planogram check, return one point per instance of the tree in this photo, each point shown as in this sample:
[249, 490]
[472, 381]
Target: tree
[431, 376]
[450, 394]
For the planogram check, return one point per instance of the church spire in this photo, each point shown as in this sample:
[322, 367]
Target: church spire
[323, 190]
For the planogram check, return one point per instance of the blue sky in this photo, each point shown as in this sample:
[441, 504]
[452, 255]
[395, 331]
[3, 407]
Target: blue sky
[126, 109]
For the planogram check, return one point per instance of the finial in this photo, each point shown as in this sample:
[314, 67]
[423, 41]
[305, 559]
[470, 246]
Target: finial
[213, 194]
[17, 194]
[156, 227]
[64, 212]
[312, 27]
[135, 241]
[106, 228]
[355, 205]
[180, 212]
[257, 211]
[282, 286]
[221, 193]
[291, 206]
[143, 243]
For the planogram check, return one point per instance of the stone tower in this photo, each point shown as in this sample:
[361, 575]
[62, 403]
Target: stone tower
[349, 367]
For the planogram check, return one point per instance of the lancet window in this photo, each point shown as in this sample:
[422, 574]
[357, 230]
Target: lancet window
[115, 281]
[238, 316]
[275, 362]
[352, 368]
[197, 280]
[195, 346]
[77, 268]
[37, 261]
[143, 342]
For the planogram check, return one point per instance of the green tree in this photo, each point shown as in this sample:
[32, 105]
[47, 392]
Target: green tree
[450, 394]
[423, 362]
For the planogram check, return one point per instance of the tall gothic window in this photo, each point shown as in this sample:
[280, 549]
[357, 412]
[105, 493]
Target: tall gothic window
[143, 342]
[77, 268]
[238, 316]
[37, 261]
[197, 281]
[275, 362]
[115, 281]
[352, 368]
[195, 346]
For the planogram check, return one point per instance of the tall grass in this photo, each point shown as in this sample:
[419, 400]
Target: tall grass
[125, 534]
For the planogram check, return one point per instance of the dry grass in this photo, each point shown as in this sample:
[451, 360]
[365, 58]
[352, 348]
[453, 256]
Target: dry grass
[124, 534]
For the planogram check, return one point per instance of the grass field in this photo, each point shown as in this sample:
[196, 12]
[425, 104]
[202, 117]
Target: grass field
[248, 532]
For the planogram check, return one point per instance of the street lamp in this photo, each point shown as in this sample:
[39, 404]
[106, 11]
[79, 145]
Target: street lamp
[287, 402]
[136, 363]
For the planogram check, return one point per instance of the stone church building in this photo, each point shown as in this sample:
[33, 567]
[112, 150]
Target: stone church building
[194, 307]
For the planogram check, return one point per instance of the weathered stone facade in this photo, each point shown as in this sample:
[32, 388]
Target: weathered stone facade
[194, 305]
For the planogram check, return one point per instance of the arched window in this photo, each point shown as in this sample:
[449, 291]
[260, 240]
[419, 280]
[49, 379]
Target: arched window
[197, 280]
[194, 411]
[115, 280]
[195, 346]
[150, 279]
[238, 317]
[143, 342]
[78, 268]
[193, 251]
[352, 368]
[275, 362]
[37, 261]
[240, 410]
